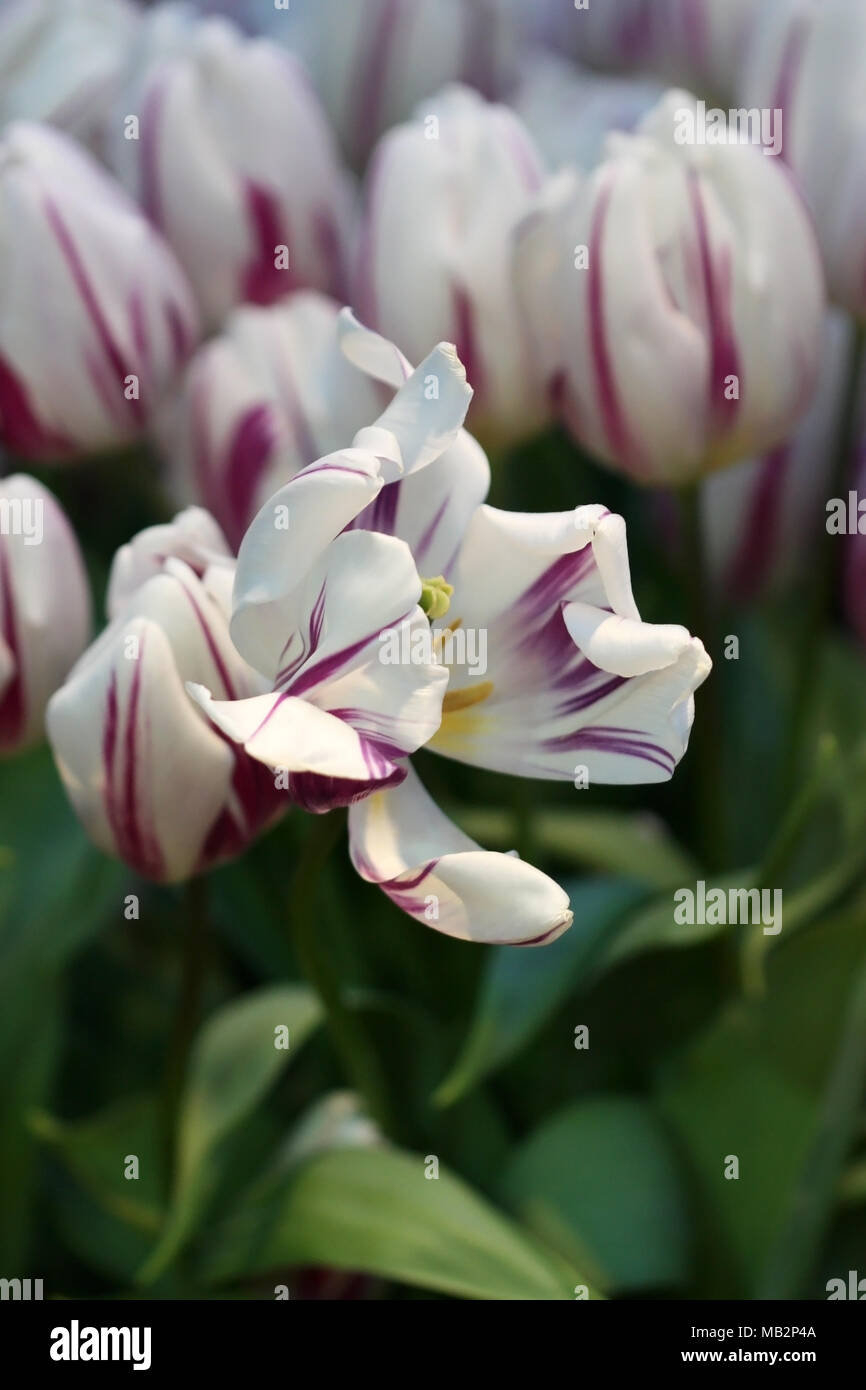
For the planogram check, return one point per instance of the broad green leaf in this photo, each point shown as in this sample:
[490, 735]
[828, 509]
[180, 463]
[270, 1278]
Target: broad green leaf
[110, 1216]
[633, 844]
[30, 1052]
[599, 1182]
[654, 927]
[374, 1210]
[234, 1061]
[521, 989]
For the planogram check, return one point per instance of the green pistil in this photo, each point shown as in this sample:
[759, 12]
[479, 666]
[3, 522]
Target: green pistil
[436, 597]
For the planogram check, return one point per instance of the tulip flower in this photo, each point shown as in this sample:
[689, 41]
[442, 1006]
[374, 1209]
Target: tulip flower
[676, 299]
[444, 195]
[223, 142]
[704, 43]
[373, 60]
[95, 314]
[619, 34]
[761, 518]
[60, 62]
[808, 58]
[270, 395]
[44, 607]
[574, 686]
[152, 782]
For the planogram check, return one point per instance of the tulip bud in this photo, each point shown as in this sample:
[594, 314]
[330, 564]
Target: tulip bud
[270, 395]
[809, 60]
[373, 60]
[44, 607]
[60, 62]
[676, 299]
[445, 193]
[95, 314]
[703, 43]
[223, 142]
[151, 779]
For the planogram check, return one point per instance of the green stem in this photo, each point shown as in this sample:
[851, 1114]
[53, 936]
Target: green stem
[706, 738]
[187, 1014]
[829, 556]
[349, 1038]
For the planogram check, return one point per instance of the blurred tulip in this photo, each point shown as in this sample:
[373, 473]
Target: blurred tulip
[44, 607]
[613, 34]
[373, 60]
[95, 314]
[444, 196]
[151, 780]
[808, 59]
[270, 395]
[569, 110]
[224, 143]
[761, 518]
[676, 300]
[704, 43]
[61, 62]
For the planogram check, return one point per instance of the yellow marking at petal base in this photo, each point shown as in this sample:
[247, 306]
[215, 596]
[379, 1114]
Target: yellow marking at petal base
[456, 700]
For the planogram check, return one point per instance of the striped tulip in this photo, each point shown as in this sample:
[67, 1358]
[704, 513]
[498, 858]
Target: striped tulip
[61, 63]
[44, 607]
[95, 314]
[573, 682]
[676, 300]
[808, 59]
[223, 142]
[444, 195]
[151, 780]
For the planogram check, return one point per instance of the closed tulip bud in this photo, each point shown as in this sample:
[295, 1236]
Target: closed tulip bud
[676, 299]
[44, 607]
[60, 62]
[445, 194]
[373, 60]
[224, 143]
[808, 59]
[151, 779]
[95, 314]
[271, 394]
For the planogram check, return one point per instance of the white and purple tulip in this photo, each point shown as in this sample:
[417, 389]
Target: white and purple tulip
[444, 195]
[373, 60]
[703, 44]
[60, 63]
[44, 607]
[96, 316]
[675, 299]
[312, 598]
[808, 59]
[761, 518]
[573, 685]
[613, 35]
[271, 394]
[151, 780]
[223, 142]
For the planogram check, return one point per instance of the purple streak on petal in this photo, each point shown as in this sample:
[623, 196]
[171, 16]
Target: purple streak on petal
[151, 191]
[716, 277]
[330, 666]
[612, 416]
[13, 702]
[250, 450]
[318, 794]
[262, 282]
[20, 430]
[466, 341]
[789, 74]
[180, 332]
[760, 537]
[381, 513]
[117, 363]
[625, 743]
[552, 587]
[215, 653]
[135, 845]
[694, 23]
[427, 538]
[326, 234]
[370, 77]
[254, 803]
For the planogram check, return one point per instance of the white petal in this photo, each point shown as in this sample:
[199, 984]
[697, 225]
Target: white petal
[401, 840]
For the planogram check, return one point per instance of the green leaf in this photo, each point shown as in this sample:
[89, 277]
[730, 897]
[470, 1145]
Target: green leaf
[654, 927]
[633, 844]
[234, 1062]
[599, 1182]
[110, 1219]
[521, 989]
[375, 1211]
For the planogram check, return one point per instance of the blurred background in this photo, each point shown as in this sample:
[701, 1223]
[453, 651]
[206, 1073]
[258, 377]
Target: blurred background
[643, 1109]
